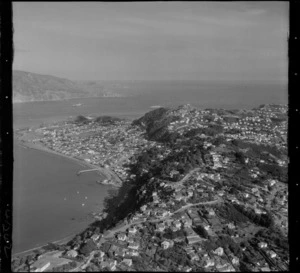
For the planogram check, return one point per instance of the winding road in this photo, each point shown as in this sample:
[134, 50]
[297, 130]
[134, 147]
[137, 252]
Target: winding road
[123, 228]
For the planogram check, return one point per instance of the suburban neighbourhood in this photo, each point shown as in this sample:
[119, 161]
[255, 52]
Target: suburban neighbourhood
[198, 190]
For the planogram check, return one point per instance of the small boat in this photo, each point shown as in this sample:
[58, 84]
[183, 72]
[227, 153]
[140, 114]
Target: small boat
[82, 204]
[85, 197]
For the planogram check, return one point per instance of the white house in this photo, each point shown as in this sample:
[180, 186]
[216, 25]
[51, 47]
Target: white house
[72, 253]
[128, 262]
[132, 230]
[219, 251]
[122, 237]
[262, 245]
[165, 244]
[133, 246]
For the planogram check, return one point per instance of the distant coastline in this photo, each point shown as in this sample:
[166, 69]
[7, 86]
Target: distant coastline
[66, 99]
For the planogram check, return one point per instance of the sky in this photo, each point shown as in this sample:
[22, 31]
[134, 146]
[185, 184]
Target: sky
[229, 41]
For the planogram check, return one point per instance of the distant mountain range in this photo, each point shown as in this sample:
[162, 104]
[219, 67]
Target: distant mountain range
[29, 86]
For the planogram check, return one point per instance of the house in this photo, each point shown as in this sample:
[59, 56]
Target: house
[189, 231]
[231, 226]
[211, 212]
[258, 211]
[219, 251]
[101, 254]
[132, 230]
[165, 244]
[143, 208]
[177, 224]
[174, 228]
[122, 236]
[72, 253]
[160, 227]
[262, 245]
[206, 227]
[190, 193]
[265, 269]
[186, 269]
[112, 265]
[132, 253]
[95, 237]
[187, 222]
[162, 213]
[272, 254]
[193, 256]
[104, 264]
[209, 262]
[76, 247]
[130, 239]
[120, 252]
[128, 262]
[178, 197]
[235, 260]
[133, 245]
[246, 195]
[194, 239]
[272, 183]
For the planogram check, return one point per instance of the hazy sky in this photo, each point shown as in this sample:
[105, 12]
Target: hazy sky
[153, 40]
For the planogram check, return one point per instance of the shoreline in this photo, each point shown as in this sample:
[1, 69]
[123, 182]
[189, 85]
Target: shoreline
[43, 148]
[59, 242]
[26, 143]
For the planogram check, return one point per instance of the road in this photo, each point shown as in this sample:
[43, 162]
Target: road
[186, 177]
[123, 228]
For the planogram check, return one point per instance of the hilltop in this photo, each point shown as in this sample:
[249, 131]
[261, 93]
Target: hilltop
[202, 190]
[29, 86]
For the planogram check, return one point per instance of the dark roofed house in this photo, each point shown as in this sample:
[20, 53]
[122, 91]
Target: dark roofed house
[194, 239]
[105, 247]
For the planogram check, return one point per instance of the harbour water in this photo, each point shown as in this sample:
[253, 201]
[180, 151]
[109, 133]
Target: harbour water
[50, 201]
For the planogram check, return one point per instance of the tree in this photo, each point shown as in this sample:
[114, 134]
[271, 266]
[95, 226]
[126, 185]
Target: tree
[88, 247]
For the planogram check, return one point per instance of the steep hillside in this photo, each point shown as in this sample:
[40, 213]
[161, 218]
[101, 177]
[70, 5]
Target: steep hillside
[35, 87]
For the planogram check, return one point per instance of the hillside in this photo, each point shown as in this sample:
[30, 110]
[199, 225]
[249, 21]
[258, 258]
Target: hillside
[29, 86]
[203, 190]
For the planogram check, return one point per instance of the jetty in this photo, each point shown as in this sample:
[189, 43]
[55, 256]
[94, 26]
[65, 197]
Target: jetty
[90, 170]
[106, 171]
